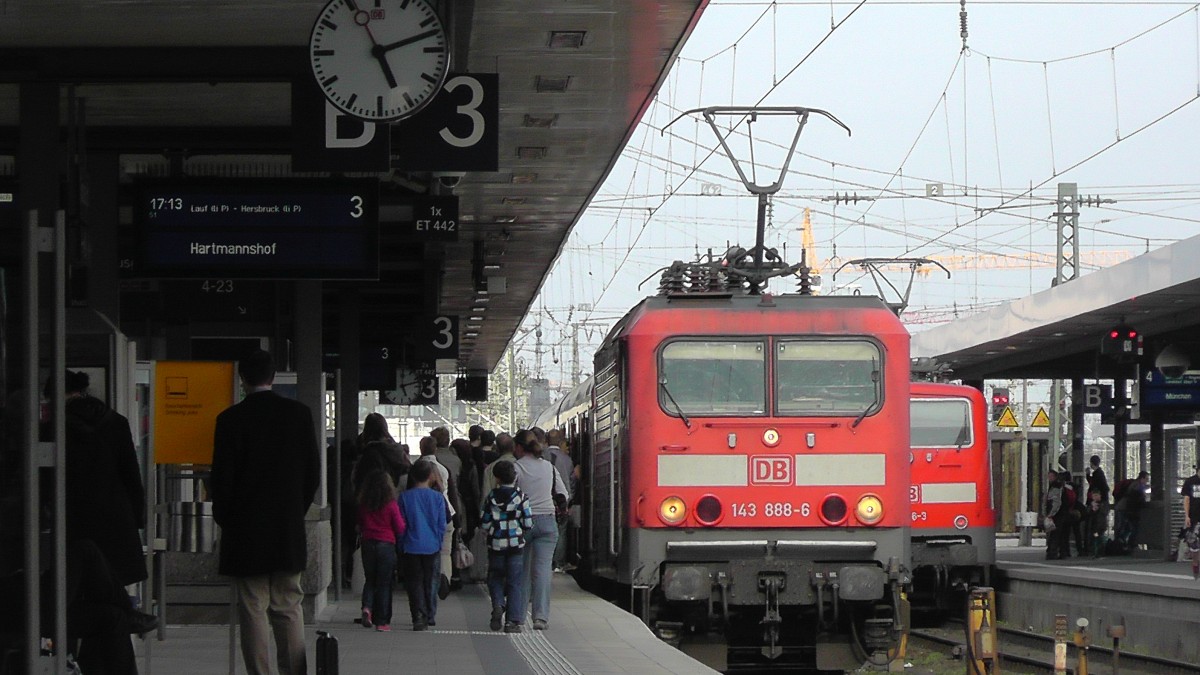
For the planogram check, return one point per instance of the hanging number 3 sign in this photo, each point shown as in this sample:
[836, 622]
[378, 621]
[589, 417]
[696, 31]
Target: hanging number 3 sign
[441, 338]
[458, 131]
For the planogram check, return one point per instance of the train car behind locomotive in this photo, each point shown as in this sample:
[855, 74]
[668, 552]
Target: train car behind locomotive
[746, 474]
[953, 520]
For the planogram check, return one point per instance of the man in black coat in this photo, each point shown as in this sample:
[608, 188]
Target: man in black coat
[105, 499]
[266, 470]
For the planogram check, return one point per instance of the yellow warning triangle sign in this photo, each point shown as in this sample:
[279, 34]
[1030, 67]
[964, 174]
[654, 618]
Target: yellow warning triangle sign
[1041, 419]
[1007, 419]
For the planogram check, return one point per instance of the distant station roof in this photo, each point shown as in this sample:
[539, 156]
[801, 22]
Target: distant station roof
[1056, 333]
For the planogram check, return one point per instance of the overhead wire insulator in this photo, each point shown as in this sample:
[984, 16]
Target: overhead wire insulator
[962, 23]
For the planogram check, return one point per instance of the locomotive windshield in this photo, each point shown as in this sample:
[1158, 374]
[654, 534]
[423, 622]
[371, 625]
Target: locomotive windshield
[827, 377]
[940, 423]
[711, 377]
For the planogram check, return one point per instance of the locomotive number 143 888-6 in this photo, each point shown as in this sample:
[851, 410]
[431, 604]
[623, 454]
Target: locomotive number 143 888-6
[769, 509]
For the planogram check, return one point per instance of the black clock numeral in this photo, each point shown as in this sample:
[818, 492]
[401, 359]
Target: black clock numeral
[329, 24]
[409, 100]
[429, 78]
[426, 22]
[404, 4]
[436, 49]
[350, 101]
[323, 52]
[379, 105]
[329, 80]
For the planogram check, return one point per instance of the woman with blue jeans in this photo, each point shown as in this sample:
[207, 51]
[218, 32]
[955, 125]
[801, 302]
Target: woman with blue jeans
[539, 480]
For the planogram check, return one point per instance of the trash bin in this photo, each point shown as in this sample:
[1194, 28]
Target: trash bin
[192, 528]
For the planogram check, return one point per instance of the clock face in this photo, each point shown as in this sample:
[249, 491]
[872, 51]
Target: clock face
[379, 60]
[414, 388]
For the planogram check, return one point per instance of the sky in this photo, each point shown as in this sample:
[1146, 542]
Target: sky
[1102, 94]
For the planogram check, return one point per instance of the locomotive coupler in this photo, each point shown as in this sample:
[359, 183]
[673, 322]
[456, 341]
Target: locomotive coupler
[771, 583]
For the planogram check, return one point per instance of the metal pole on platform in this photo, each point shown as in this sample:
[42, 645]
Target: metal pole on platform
[337, 489]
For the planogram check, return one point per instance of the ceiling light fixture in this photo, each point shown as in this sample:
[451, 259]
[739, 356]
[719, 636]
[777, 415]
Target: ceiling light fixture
[552, 84]
[567, 39]
[540, 121]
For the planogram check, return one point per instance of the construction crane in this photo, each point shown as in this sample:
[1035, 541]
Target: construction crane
[1096, 259]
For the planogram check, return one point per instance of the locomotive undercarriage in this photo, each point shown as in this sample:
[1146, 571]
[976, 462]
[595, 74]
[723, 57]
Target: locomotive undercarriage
[786, 613]
[945, 568]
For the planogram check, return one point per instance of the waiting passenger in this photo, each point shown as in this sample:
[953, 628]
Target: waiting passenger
[381, 527]
[1129, 511]
[540, 481]
[506, 519]
[1097, 520]
[504, 449]
[105, 499]
[1191, 518]
[426, 513]
[1055, 519]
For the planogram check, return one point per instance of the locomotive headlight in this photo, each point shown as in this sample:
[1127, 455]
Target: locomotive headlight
[869, 510]
[771, 438]
[672, 511]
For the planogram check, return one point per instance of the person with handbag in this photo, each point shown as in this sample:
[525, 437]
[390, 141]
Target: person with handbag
[540, 481]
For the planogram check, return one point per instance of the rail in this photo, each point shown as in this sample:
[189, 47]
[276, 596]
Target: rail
[1036, 651]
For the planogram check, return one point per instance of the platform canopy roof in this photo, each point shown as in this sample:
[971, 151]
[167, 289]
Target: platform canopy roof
[1056, 333]
[204, 89]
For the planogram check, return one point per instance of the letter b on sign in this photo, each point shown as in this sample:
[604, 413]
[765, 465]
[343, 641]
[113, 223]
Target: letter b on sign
[771, 470]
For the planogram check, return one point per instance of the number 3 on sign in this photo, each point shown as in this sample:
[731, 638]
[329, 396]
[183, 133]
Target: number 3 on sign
[443, 332]
[470, 109]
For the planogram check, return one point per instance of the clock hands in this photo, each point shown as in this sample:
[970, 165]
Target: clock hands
[363, 19]
[407, 41]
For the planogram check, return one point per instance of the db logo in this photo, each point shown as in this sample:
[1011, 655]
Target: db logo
[771, 470]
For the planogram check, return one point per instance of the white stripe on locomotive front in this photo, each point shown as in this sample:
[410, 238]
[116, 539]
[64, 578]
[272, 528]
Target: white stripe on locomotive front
[947, 493]
[733, 470]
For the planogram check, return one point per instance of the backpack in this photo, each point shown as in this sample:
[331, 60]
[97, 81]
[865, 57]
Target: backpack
[1068, 496]
[1121, 488]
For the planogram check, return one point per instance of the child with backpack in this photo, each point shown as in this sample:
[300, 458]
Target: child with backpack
[506, 519]
[380, 525]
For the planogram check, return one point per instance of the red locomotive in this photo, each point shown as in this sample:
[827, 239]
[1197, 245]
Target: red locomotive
[745, 474]
[744, 457]
[953, 520]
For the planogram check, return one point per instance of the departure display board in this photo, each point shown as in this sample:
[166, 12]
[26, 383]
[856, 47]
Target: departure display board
[275, 230]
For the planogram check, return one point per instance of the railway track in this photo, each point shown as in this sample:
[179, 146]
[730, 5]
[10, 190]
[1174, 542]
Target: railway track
[1034, 653]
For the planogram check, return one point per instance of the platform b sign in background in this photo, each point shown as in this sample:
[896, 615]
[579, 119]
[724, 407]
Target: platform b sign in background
[326, 139]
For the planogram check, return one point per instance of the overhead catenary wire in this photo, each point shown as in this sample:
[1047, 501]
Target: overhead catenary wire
[1006, 196]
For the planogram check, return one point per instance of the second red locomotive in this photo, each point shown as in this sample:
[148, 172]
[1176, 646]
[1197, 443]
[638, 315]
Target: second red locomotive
[953, 520]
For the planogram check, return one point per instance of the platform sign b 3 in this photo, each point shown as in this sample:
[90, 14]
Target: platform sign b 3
[327, 139]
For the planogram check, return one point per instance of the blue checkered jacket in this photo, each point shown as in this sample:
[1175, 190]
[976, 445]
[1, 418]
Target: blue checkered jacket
[506, 517]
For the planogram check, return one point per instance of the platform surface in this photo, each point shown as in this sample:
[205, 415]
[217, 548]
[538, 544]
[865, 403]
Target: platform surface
[586, 635]
[1143, 572]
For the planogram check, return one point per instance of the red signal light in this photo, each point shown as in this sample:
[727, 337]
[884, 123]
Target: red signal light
[1132, 334]
[1114, 335]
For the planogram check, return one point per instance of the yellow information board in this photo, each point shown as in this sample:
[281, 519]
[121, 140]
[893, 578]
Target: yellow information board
[188, 396]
